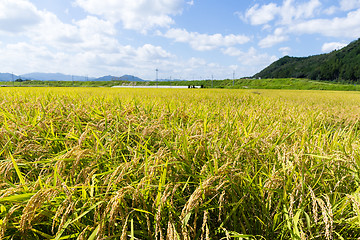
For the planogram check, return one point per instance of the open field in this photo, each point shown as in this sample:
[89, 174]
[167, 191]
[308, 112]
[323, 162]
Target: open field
[101, 163]
[280, 83]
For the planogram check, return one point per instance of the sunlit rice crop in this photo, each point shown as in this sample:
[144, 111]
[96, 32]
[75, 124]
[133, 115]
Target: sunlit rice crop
[99, 163]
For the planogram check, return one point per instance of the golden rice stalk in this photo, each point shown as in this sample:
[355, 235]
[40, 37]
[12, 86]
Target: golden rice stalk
[158, 230]
[328, 221]
[114, 209]
[221, 202]
[33, 204]
[194, 201]
[314, 205]
[124, 230]
[4, 222]
[195, 197]
[66, 210]
[204, 227]
[82, 234]
[171, 232]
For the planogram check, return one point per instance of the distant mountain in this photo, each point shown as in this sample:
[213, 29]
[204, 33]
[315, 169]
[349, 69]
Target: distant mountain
[122, 78]
[105, 78]
[338, 65]
[131, 78]
[54, 77]
[64, 77]
[8, 77]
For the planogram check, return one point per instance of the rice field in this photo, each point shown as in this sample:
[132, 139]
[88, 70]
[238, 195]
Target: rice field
[101, 163]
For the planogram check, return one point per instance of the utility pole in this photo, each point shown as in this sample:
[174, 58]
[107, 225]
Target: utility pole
[12, 78]
[157, 74]
[212, 81]
[233, 78]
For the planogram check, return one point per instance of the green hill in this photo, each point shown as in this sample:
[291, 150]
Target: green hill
[339, 65]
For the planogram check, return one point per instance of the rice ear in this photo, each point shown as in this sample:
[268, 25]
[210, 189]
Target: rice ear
[33, 204]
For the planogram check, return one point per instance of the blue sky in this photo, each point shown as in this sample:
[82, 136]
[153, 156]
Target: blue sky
[184, 39]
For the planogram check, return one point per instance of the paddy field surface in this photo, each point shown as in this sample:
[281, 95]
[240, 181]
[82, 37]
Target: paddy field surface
[113, 163]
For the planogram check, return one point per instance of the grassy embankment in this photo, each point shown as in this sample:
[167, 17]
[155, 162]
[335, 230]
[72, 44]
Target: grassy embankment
[80, 163]
[286, 83]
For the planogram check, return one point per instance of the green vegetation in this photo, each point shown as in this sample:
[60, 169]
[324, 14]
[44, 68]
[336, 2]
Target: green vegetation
[294, 83]
[36, 83]
[341, 65]
[100, 163]
[282, 83]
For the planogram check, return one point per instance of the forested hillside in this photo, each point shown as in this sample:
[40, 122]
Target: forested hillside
[340, 65]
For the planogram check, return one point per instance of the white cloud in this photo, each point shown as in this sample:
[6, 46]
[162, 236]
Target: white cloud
[278, 37]
[17, 15]
[140, 15]
[126, 58]
[285, 50]
[93, 46]
[50, 30]
[287, 13]
[251, 58]
[337, 27]
[251, 61]
[198, 68]
[43, 27]
[261, 15]
[89, 34]
[291, 11]
[328, 47]
[330, 10]
[233, 52]
[87, 46]
[150, 52]
[347, 5]
[296, 17]
[16, 56]
[93, 25]
[204, 42]
[96, 35]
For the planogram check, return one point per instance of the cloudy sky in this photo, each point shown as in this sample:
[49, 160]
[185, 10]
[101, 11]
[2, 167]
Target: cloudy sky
[184, 39]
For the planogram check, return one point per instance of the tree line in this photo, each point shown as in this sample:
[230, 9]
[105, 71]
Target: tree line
[340, 65]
